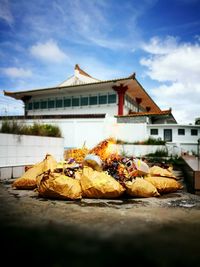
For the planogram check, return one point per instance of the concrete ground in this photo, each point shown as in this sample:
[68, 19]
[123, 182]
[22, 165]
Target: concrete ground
[162, 231]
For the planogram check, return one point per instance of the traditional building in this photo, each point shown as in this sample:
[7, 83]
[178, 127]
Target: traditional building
[82, 95]
[88, 109]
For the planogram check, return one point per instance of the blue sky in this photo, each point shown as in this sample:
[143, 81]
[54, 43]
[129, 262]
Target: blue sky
[159, 40]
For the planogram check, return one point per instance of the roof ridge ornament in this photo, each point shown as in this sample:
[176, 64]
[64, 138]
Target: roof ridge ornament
[80, 71]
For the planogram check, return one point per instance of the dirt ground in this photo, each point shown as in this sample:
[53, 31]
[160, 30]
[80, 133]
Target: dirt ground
[162, 231]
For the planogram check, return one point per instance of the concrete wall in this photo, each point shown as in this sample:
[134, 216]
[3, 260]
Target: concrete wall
[91, 132]
[140, 150]
[76, 132]
[25, 149]
[182, 148]
[7, 173]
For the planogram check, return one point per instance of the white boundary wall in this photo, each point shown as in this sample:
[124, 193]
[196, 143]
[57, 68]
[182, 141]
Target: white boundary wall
[76, 132]
[27, 149]
[140, 150]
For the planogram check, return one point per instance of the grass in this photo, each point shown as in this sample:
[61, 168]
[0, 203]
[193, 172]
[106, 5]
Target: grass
[14, 127]
[149, 141]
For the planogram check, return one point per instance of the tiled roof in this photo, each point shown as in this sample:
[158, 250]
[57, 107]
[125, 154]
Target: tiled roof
[17, 94]
[138, 114]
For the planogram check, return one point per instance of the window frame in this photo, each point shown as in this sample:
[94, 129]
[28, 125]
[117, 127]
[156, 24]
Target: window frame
[82, 99]
[74, 103]
[192, 132]
[58, 101]
[91, 98]
[36, 103]
[65, 101]
[112, 102]
[51, 101]
[179, 131]
[153, 129]
[103, 96]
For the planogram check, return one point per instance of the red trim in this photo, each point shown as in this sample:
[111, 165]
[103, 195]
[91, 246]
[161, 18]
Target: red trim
[121, 90]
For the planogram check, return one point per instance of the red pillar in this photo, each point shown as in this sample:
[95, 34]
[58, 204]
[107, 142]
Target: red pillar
[121, 90]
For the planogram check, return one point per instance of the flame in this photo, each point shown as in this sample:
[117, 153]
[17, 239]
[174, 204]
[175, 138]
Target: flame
[111, 149]
[105, 148]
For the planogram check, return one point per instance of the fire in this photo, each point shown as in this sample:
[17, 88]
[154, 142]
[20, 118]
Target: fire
[105, 148]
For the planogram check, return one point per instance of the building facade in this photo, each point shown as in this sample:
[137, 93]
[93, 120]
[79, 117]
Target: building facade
[89, 110]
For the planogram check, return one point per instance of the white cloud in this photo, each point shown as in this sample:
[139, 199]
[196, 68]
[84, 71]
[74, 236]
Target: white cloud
[158, 47]
[89, 23]
[14, 72]
[49, 52]
[5, 12]
[177, 67]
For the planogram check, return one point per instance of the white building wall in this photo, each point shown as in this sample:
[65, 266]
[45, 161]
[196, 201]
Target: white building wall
[187, 138]
[180, 143]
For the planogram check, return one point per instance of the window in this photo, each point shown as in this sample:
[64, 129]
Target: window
[154, 131]
[51, 104]
[59, 103]
[194, 132]
[75, 102]
[167, 135]
[112, 99]
[181, 131]
[84, 101]
[36, 105]
[102, 99]
[30, 106]
[67, 102]
[43, 104]
[93, 100]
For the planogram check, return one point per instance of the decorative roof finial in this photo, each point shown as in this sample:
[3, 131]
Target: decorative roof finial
[77, 67]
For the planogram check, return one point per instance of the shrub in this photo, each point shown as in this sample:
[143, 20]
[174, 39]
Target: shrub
[158, 153]
[149, 141]
[14, 127]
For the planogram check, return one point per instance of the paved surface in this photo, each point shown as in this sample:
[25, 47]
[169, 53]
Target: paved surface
[162, 231]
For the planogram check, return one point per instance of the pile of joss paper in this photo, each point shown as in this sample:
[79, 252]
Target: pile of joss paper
[97, 173]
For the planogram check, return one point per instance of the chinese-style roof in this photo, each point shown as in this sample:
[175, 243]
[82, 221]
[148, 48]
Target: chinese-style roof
[82, 72]
[81, 79]
[166, 113]
[138, 114]
[21, 94]
[138, 93]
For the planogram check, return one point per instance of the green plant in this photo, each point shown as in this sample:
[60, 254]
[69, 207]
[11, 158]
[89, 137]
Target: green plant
[14, 127]
[158, 153]
[151, 141]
